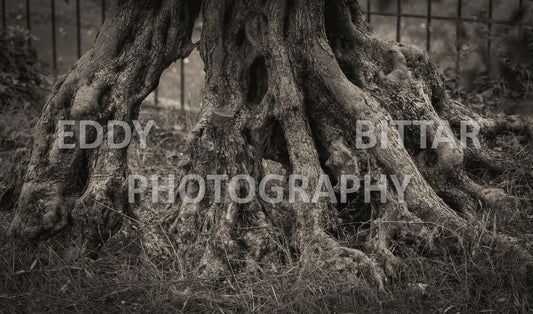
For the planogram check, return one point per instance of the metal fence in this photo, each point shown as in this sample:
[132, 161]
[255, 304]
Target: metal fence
[459, 19]
[371, 8]
[53, 29]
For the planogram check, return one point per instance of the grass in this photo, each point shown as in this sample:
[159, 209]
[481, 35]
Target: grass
[125, 279]
[133, 274]
[137, 272]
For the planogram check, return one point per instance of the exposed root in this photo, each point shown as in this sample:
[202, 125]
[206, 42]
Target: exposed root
[50, 211]
[300, 120]
[282, 93]
[325, 254]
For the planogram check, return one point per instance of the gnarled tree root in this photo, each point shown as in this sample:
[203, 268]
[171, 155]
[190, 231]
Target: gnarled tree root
[286, 82]
[286, 87]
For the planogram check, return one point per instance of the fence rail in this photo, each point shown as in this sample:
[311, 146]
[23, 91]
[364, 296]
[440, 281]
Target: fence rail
[459, 19]
[369, 11]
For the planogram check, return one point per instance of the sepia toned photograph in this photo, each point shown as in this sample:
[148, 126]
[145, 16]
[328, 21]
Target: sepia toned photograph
[266, 156]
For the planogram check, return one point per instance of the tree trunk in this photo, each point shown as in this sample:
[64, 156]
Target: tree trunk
[138, 40]
[286, 82]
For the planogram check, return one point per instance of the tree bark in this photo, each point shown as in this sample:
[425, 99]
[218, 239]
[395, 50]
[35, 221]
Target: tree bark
[285, 83]
[88, 188]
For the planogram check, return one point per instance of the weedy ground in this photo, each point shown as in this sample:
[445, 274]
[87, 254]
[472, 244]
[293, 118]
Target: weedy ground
[130, 274]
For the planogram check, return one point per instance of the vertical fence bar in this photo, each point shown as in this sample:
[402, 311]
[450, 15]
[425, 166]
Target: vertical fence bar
[458, 35]
[4, 21]
[103, 11]
[398, 19]
[368, 7]
[182, 83]
[54, 52]
[489, 26]
[428, 28]
[28, 20]
[78, 28]
[520, 7]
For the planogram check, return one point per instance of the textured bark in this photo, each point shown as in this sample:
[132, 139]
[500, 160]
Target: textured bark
[138, 40]
[285, 83]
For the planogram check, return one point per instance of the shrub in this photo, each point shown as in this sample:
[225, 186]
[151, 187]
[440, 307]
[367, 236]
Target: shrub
[21, 80]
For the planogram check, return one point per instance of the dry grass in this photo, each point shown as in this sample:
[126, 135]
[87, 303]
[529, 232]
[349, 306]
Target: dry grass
[124, 279]
[128, 277]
